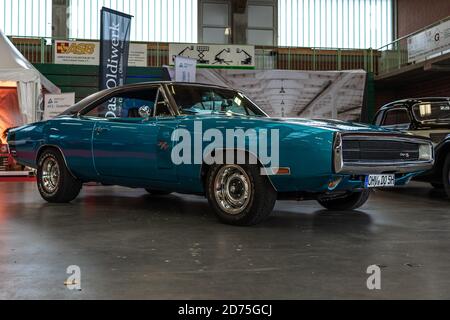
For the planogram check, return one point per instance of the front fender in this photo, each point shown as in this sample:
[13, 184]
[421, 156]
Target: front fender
[308, 155]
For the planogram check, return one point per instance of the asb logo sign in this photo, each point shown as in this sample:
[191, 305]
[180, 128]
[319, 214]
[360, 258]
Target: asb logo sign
[76, 52]
[75, 48]
[88, 53]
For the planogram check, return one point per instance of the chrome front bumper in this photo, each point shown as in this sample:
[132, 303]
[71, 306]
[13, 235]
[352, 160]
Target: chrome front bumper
[369, 168]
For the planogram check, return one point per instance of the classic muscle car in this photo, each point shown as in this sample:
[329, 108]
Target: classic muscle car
[427, 117]
[131, 136]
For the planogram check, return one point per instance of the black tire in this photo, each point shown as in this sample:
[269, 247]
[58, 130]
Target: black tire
[157, 192]
[437, 185]
[257, 206]
[446, 175]
[352, 201]
[66, 187]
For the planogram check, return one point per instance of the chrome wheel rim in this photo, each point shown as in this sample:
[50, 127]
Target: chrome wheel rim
[232, 189]
[50, 175]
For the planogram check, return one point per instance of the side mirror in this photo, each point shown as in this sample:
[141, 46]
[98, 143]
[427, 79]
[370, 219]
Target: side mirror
[145, 112]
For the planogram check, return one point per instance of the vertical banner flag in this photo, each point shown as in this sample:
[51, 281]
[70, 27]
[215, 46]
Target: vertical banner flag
[114, 51]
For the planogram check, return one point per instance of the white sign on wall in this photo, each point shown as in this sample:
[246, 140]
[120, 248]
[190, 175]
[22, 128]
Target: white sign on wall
[138, 55]
[214, 55]
[54, 104]
[429, 43]
[185, 69]
[88, 53]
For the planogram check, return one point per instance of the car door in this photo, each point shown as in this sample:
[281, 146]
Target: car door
[166, 123]
[125, 146]
[137, 148]
[125, 149]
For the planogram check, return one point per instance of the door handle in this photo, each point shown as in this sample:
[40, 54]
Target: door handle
[99, 130]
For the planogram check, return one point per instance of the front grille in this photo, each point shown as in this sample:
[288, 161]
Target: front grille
[379, 151]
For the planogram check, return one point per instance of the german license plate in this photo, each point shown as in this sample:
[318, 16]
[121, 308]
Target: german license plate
[380, 180]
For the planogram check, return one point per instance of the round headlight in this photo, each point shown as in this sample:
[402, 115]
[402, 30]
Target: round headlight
[4, 149]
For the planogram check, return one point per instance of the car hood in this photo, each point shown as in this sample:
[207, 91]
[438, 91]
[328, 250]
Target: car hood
[332, 125]
[324, 124]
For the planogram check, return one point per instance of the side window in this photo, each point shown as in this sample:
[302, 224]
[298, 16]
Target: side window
[125, 105]
[162, 107]
[397, 117]
[232, 102]
[199, 99]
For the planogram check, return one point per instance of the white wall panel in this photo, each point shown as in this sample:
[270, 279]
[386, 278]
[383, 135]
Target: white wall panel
[335, 23]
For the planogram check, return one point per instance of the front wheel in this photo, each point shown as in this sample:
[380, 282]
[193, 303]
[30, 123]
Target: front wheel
[239, 194]
[446, 175]
[55, 182]
[351, 201]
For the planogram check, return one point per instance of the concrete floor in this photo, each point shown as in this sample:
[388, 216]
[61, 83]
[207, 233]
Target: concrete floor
[131, 245]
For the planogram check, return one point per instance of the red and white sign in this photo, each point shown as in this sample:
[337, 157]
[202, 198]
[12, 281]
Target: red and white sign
[77, 52]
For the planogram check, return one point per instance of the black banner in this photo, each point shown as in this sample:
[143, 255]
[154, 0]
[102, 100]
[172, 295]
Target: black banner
[216, 309]
[114, 49]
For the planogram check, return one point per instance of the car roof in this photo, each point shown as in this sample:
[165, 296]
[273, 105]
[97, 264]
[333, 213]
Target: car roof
[98, 95]
[144, 84]
[410, 101]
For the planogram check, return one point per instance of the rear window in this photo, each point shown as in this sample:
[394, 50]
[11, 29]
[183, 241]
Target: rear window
[396, 116]
[432, 111]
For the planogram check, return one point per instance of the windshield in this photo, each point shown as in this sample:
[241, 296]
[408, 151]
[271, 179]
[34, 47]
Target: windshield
[432, 111]
[192, 99]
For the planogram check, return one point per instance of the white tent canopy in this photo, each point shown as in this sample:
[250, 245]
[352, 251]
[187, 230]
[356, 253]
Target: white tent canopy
[30, 82]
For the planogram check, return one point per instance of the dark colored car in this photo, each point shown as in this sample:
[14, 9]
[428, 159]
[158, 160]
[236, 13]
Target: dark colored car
[427, 117]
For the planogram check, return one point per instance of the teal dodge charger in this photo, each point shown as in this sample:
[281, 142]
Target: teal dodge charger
[213, 141]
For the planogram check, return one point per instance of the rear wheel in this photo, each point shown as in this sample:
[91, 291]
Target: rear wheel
[446, 175]
[157, 192]
[351, 201]
[55, 182]
[239, 194]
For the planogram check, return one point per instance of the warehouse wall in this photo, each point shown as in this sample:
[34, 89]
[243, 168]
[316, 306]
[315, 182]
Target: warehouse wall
[434, 84]
[437, 85]
[413, 15]
[83, 80]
